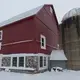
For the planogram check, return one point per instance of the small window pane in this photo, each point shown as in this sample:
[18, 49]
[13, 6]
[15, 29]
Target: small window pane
[14, 62]
[44, 61]
[43, 42]
[41, 61]
[21, 61]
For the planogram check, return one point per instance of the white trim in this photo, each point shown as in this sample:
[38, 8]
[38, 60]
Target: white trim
[1, 34]
[18, 42]
[22, 68]
[0, 60]
[42, 36]
[17, 62]
[23, 54]
[24, 61]
[11, 61]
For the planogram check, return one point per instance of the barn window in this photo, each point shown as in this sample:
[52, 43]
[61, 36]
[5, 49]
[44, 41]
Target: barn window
[14, 62]
[1, 35]
[51, 10]
[41, 61]
[43, 42]
[21, 61]
[44, 61]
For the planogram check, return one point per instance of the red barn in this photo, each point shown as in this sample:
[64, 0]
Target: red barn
[28, 39]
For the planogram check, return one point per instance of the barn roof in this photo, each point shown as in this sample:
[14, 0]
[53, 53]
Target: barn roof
[21, 16]
[58, 55]
[71, 13]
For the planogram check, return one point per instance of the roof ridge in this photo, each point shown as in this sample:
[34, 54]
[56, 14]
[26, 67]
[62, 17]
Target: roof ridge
[21, 16]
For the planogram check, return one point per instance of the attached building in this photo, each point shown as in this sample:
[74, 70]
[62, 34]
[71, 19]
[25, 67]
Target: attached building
[58, 59]
[27, 40]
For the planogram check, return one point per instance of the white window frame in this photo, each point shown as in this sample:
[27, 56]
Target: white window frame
[1, 34]
[44, 61]
[44, 67]
[41, 61]
[12, 62]
[43, 47]
[19, 61]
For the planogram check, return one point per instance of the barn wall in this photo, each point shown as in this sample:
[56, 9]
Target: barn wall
[46, 25]
[30, 29]
[19, 31]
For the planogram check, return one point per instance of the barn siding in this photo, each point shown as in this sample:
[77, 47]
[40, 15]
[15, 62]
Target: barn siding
[48, 20]
[19, 31]
[47, 27]
[30, 29]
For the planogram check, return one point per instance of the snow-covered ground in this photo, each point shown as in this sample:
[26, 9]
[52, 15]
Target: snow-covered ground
[66, 75]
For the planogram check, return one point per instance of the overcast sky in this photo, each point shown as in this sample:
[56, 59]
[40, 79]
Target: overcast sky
[10, 8]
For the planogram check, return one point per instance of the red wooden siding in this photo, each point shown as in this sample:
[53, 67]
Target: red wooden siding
[30, 29]
[19, 31]
[46, 25]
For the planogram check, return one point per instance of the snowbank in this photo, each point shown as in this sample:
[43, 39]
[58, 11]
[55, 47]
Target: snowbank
[66, 75]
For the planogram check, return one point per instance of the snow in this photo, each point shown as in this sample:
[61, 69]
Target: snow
[58, 55]
[21, 16]
[20, 68]
[71, 13]
[66, 75]
[23, 54]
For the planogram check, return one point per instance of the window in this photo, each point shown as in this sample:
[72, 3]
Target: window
[44, 61]
[41, 61]
[6, 61]
[1, 35]
[43, 42]
[14, 62]
[51, 10]
[21, 61]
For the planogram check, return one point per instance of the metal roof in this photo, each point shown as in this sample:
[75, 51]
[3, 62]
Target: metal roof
[71, 13]
[21, 16]
[57, 55]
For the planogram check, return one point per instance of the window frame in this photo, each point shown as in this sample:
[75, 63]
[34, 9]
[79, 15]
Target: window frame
[21, 62]
[44, 38]
[44, 61]
[1, 34]
[41, 62]
[16, 62]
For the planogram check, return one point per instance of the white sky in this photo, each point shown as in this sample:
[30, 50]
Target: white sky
[10, 8]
